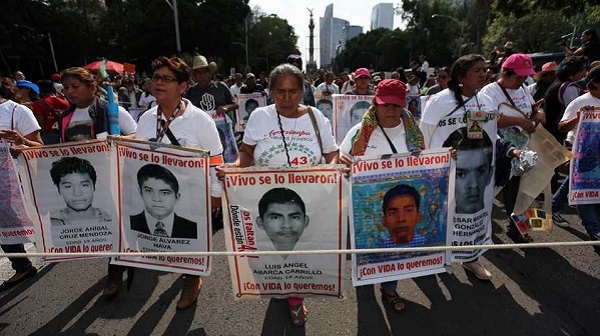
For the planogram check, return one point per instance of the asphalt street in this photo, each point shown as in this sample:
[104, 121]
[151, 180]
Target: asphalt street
[544, 291]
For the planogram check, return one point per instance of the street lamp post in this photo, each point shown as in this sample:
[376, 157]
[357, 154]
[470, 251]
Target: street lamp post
[176, 16]
[462, 30]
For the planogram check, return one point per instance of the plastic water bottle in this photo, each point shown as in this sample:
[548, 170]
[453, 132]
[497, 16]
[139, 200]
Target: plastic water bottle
[113, 112]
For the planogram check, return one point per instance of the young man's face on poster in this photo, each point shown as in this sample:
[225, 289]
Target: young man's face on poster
[159, 197]
[77, 190]
[284, 223]
[400, 217]
[473, 174]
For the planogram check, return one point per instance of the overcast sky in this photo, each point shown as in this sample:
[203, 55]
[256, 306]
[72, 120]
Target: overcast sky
[357, 12]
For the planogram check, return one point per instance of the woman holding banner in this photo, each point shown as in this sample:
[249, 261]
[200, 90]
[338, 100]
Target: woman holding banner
[19, 127]
[271, 139]
[386, 128]
[176, 121]
[463, 118]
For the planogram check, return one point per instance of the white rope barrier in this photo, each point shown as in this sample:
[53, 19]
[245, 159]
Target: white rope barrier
[305, 252]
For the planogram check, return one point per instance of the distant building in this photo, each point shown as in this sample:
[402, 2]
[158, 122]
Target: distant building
[331, 37]
[349, 33]
[382, 16]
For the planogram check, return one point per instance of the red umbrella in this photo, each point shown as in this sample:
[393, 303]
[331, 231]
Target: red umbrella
[110, 66]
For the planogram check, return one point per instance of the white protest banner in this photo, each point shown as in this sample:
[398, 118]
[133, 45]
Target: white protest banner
[164, 205]
[584, 186]
[292, 209]
[15, 223]
[401, 201]
[324, 104]
[348, 111]
[72, 204]
[248, 102]
[474, 136]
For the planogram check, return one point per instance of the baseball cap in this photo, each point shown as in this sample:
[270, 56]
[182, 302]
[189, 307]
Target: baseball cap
[547, 67]
[28, 84]
[362, 72]
[520, 63]
[250, 75]
[390, 91]
[55, 77]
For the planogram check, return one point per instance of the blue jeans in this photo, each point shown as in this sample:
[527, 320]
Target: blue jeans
[589, 218]
[389, 286]
[560, 197]
[18, 264]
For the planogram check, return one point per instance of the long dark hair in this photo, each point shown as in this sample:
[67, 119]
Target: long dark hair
[459, 69]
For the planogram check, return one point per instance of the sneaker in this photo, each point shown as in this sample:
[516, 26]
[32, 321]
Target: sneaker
[558, 220]
[18, 278]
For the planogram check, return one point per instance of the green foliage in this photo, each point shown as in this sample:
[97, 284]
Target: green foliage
[271, 39]
[532, 33]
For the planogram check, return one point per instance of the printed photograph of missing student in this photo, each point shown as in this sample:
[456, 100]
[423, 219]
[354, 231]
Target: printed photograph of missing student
[230, 149]
[282, 216]
[250, 106]
[412, 214]
[413, 105]
[326, 107]
[473, 170]
[586, 163]
[159, 191]
[357, 111]
[75, 181]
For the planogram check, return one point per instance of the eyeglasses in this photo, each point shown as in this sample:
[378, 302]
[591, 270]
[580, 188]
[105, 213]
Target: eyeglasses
[164, 79]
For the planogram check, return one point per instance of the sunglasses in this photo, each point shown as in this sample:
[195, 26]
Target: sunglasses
[164, 79]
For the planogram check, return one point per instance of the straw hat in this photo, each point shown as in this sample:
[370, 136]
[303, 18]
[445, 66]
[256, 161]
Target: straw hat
[200, 62]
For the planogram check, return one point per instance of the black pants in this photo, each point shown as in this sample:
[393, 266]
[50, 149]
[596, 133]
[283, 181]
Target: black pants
[509, 194]
[18, 264]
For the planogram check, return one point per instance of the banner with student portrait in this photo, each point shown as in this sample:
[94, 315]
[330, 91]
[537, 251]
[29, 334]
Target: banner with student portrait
[324, 103]
[584, 186]
[248, 102]
[16, 226]
[401, 201]
[348, 111]
[164, 205]
[474, 136]
[414, 105]
[72, 204]
[226, 136]
[291, 209]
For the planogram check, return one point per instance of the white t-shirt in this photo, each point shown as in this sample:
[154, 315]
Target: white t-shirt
[413, 89]
[80, 123]
[577, 103]
[23, 120]
[440, 105]
[324, 87]
[521, 97]
[378, 144]
[263, 131]
[235, 90]
[194, 128]
[145, 100]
